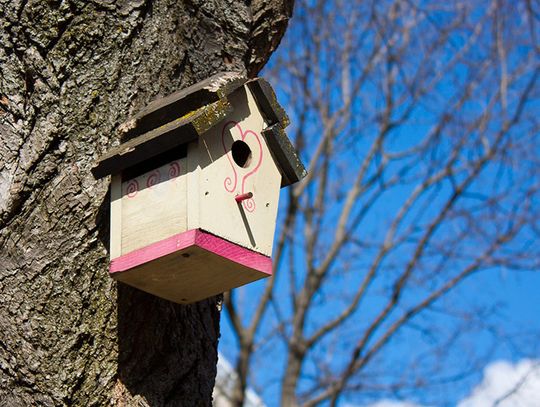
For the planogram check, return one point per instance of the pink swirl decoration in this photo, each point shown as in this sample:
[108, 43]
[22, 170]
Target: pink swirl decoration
[132, 188]
[174, 170]
[153, 179]
[249, 205]
[231, 183]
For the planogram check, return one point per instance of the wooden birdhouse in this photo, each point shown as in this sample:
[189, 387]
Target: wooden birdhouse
[195, 187]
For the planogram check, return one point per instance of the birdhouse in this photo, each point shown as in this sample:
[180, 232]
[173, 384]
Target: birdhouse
[195, 186]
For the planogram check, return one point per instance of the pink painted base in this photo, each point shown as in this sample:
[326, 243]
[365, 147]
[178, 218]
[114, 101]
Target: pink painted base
[195, 237]
[190, 266]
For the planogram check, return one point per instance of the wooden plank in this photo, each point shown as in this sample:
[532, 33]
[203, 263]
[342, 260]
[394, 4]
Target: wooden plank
[266, 99]
[287, 159]
[153, 251]
[154, 205]
[157, 141]
[193, 185]
[190, 266]
[178, 104]
[193, 237]
[285, 155]
[116, 217]
[233, 252]
[250, 223]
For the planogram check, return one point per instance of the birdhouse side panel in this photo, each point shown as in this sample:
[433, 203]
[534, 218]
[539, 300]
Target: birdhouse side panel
[153, 206]
[115, 249]
[239, 181]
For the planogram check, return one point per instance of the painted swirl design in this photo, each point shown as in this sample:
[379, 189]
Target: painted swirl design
[153, 179]
[231, 183]
[249, 205]
[132, 188]
[174, 170]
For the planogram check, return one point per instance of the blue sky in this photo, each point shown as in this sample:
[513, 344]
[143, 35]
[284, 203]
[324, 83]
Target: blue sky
[519, 313]
[497, 308]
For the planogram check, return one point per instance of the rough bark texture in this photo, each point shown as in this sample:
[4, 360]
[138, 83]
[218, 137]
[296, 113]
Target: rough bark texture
[70, 73]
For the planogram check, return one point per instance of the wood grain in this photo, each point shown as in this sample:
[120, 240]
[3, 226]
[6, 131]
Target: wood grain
[290, 166]
[190, 266]
[157, 208]
[180, 103]
[115, 249]
[266, 100]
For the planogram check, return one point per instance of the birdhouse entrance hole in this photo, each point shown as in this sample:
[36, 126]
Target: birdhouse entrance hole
[241, 153]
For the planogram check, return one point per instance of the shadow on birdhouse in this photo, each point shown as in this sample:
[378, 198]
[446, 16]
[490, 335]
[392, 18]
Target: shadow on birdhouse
[195, 188]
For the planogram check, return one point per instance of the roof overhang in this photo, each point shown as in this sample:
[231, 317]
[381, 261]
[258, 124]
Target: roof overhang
[185, 115]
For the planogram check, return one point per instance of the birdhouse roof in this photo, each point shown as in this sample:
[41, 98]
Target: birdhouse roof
[185, 115]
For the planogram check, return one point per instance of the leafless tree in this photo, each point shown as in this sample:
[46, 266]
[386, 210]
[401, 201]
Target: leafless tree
[71, 71]
[419, 123]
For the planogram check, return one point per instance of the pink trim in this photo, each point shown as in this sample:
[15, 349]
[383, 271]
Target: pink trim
[234, 252]
[194, 237]
[153, 251]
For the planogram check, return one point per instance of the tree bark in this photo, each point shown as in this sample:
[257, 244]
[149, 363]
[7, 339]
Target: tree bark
[71, 72]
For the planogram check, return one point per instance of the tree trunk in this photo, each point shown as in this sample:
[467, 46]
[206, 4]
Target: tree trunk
[71, 72]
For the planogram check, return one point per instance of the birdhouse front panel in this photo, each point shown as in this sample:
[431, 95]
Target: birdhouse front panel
[152, 206]
[239, 181]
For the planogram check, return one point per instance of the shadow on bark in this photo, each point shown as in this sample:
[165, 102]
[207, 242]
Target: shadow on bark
[167, 352]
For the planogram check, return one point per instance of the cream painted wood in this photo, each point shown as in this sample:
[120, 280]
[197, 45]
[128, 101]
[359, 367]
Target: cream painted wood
[116, 217]
[251, 223]
[193, 174]
[154, 206]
